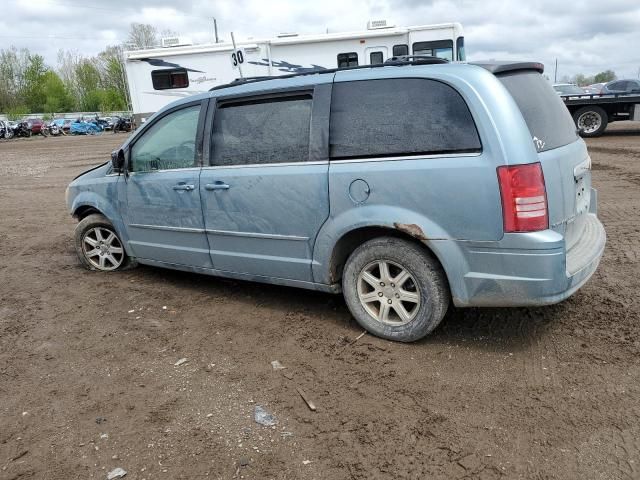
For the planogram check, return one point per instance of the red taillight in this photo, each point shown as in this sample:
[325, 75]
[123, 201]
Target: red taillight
[524, 198]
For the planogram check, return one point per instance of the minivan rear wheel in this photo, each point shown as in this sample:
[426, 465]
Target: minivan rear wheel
[591, 121]
[98, 245]
[394, 289]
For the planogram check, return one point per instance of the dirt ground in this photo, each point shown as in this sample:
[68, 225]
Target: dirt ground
[88, 380]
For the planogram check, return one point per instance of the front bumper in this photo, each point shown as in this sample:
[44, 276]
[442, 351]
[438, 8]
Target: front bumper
[527, 269]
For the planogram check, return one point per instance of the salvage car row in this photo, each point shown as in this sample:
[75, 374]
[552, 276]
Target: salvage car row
[62, 126]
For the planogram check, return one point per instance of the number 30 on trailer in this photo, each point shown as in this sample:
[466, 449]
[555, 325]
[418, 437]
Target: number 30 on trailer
[237, 58]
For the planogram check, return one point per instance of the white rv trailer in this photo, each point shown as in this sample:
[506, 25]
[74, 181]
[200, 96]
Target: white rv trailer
[158, 76]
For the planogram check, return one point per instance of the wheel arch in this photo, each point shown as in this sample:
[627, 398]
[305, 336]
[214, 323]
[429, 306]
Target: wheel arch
[352, 239]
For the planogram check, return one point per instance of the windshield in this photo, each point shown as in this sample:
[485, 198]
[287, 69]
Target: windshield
[547, 117]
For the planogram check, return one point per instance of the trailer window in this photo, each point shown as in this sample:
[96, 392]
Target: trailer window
[439, 48]
[347, 59]
[400, 50]
[263, 131]
[166, 79]
[376, 58]
[399, 117]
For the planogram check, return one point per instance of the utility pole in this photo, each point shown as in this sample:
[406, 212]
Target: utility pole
[555, 73]
[215, 29]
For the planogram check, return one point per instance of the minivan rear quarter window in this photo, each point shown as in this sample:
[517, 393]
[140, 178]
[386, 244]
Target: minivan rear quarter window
[392, 117]
[547, 117]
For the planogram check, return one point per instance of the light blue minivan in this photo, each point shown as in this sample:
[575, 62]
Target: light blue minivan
[404, 186]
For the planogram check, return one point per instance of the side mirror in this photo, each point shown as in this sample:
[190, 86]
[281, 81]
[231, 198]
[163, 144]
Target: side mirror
[117, 160]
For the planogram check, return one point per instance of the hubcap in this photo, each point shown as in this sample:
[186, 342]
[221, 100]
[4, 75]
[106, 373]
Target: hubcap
[102, 248]
[388, 292]
[589, 122]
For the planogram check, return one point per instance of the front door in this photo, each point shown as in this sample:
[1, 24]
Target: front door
[265, 193]
[163, 215]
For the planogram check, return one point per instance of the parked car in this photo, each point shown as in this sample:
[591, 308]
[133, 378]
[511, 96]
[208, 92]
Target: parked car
[568, 89]
[622, 86]
[594, 89]
[36, 125]
[404, 187]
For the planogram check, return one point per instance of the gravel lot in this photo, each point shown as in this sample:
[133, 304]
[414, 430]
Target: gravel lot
[88, 380]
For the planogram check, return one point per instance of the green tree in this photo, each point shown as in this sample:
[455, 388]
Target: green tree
[87, 85]
[57, 97]
[604, 77]
[32, 92]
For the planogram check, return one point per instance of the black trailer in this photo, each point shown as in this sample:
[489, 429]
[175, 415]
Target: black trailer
[592, 113]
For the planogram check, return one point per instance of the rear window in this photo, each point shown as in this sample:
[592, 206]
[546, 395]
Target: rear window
[407, 116]
[548, 119]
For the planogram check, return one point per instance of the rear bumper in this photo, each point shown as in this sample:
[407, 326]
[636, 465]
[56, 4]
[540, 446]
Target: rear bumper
[527, 269]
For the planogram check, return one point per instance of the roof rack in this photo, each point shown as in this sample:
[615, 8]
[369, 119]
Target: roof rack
[391, 62]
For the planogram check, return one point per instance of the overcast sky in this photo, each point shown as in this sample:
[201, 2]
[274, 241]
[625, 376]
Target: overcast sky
[585, 36]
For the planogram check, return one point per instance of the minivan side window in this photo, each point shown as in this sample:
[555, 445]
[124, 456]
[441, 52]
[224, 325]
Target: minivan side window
[273, 130]
[395, 117]
[169, 143]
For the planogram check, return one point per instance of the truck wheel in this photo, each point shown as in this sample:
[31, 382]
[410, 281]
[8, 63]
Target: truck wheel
[590, 121]
[98, 245]
[394, 289]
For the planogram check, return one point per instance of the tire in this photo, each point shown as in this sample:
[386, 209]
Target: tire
[385, 314]
[590, 121]
[95, 234]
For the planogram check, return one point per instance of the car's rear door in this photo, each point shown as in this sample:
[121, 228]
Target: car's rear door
[563, 154]
[265, 190]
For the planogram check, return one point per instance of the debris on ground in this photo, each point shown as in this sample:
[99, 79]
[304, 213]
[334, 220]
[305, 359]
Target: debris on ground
[261, 416]
[19, 456]
[306, 399]
[180, 362]
[287, 375]
[100, 420]
[277, 365]
[116, 473]
[306, 462]
[243, 461]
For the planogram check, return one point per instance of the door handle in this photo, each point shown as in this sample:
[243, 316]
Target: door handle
[219, 185]
[184, 186]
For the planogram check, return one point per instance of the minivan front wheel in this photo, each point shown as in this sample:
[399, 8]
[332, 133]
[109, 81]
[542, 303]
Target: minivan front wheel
[394, 289]
[98, 245]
